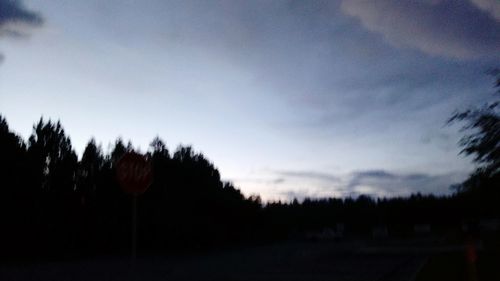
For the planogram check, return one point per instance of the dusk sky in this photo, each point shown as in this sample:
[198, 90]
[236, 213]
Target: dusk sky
[287, 98]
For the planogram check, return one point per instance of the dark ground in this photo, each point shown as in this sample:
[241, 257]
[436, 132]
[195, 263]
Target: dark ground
[326, 260]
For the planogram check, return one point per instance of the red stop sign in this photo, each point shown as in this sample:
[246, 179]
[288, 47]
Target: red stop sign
[134, 173]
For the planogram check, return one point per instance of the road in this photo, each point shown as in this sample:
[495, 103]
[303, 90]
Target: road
[289, 261]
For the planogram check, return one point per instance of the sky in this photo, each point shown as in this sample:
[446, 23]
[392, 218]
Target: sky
[287, 98]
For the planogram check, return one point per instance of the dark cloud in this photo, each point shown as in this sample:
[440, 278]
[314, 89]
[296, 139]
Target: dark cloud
[385, 183]
[14, 18]
[309, 175]
[451, 28]
[490, 6]
[279, 180]
[376, 183]
[374, 174]
[13, 14]
[275, 181]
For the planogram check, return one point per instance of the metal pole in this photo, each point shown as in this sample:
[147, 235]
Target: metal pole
[134, 230]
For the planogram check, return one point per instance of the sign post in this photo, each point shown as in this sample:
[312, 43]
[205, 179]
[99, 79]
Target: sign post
[134, 174]
[134, 228]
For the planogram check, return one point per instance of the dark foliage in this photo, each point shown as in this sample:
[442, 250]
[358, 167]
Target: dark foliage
[482, 140]
[53, 205]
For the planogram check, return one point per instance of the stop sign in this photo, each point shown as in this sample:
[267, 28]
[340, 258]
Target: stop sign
[134, 173]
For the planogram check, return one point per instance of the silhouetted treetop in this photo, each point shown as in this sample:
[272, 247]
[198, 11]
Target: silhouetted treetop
[118, 150]
[159, 148]
[483, 138]
[52, 156]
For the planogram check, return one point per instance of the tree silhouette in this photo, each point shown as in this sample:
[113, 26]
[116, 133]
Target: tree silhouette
[16, 198]
[483, 138]
[54, 159]
[13, 150]
[118, 150]
[54, 205]
[89, 168]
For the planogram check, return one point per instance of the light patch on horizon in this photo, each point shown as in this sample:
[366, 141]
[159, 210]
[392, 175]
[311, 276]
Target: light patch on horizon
[289, 185]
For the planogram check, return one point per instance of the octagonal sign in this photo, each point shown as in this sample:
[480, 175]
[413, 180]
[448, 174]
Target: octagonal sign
[134, 173]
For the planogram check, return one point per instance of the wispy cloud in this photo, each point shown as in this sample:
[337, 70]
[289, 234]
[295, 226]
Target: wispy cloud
[385, 183]
[451, 28]
[310, 175]
[377, 183]
[490, 6]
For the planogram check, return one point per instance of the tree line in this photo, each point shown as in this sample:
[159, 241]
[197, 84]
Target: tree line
[54, 204]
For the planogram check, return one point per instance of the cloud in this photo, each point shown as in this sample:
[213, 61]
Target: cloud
[309, 175]
[384, 183]
[376, 183]
[15, 20]
[14, 17]
[450, 28]
[490, 6]
[278, 180]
